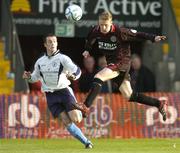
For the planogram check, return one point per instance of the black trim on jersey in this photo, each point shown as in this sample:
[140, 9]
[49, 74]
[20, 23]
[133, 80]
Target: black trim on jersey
[41, 74]
[60, 71]
[77, 72]
[55, 53]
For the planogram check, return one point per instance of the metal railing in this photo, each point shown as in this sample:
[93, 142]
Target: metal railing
[12, 47]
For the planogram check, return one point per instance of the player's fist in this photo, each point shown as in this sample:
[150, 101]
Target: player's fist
[26, 75]
[71, 76]
[159, 38]
[86, 54]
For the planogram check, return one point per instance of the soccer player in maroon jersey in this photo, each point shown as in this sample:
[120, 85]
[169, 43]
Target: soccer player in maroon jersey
[113, 42]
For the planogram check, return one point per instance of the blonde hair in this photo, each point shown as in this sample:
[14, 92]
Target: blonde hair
[105, 16]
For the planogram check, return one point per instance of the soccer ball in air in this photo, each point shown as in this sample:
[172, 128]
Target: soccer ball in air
[73, 12]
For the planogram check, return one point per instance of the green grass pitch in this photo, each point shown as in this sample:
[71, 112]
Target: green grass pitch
[100, 146]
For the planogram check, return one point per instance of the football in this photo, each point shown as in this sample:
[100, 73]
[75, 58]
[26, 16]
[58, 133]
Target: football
[73, 12]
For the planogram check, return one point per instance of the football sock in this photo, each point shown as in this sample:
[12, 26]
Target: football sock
[95, 90]
[143, 99]
[77, 133]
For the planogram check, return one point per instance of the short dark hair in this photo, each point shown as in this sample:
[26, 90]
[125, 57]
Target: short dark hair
[48, 35]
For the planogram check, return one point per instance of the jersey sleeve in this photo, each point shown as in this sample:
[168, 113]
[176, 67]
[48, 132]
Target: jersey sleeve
[131, 35]
[35, 76]
[90, 40]
[71, 67]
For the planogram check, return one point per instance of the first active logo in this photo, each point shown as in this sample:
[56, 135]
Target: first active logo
[29, 113]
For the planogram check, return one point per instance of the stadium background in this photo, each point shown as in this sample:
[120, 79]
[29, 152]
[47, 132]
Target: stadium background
[22, 25]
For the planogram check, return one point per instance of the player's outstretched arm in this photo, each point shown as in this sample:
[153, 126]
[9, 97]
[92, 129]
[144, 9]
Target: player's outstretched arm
[159, 38]
[34, 76]
[131, 35]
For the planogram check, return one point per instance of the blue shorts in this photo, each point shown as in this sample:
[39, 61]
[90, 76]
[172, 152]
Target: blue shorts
[60, 101]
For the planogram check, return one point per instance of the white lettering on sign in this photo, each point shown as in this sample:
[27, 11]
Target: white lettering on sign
[58, 6]
[171, 118]
[29, 113]
[127, 7]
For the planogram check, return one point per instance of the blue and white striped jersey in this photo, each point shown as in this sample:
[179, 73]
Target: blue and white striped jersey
[52, 71]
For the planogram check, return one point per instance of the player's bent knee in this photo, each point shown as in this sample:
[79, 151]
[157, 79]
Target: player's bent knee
[126, 90]
[126, 95]
[98, 76]
[76, 120]
[75, 116]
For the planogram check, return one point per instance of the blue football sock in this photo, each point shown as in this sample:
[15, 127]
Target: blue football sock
[77, 133]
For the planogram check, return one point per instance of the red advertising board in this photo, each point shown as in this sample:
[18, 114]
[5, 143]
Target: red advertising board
[27, 116]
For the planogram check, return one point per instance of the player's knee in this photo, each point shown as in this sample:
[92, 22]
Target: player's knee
[99, 77]
[126, 95]
[126, 90]
[77, 118]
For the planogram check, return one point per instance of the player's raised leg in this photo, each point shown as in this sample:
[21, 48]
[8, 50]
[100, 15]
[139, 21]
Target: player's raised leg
[102, 76]
[131, 96]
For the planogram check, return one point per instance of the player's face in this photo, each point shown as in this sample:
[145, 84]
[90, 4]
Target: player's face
[105, 25]
[51, 44]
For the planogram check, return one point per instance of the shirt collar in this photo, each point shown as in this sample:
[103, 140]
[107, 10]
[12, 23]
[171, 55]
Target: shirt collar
[55, 53]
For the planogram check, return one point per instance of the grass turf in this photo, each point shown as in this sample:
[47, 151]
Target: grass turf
[100, 146]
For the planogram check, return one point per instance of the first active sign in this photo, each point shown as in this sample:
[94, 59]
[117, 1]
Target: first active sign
[40, 16]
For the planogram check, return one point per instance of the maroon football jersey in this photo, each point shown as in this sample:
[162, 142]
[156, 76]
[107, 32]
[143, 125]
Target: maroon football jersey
[115, 45]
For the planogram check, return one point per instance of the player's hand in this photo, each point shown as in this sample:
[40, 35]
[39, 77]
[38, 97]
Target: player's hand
[86, 54]
[71, 76]
[159, 38]
[26, 75]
